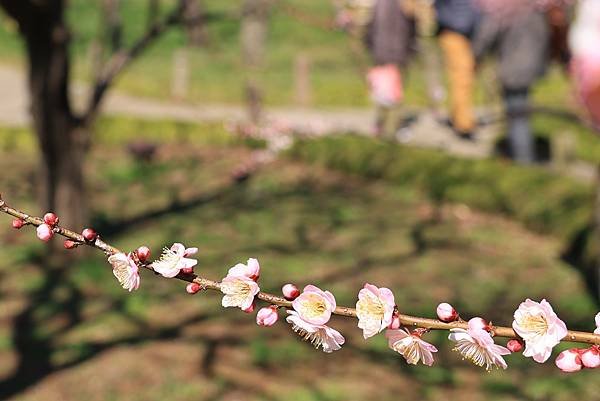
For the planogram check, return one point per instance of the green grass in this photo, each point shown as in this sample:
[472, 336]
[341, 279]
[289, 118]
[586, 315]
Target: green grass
[539, 199]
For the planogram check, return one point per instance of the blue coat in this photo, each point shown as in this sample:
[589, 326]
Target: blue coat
[457, 15]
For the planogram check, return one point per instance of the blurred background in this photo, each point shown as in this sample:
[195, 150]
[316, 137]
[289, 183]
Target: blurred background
[446, 150]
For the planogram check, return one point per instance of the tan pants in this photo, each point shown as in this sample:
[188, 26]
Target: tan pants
[460, 65]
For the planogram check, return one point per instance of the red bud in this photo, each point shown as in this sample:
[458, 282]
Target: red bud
[89, 234]
[51, 219]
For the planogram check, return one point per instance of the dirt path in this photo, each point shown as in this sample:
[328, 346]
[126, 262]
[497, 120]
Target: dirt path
[425, 130]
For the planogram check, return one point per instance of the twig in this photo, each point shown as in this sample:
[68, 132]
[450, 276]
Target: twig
[406, 320]
[124, 57]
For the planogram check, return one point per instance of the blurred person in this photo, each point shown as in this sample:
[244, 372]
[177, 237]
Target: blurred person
[390, 39]
[519, 33]
[584, 42]
[456, 21]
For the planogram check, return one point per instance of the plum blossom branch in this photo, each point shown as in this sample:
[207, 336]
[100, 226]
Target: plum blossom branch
[308, 311]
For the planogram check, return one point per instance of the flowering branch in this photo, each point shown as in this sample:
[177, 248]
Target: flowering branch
[535, 323]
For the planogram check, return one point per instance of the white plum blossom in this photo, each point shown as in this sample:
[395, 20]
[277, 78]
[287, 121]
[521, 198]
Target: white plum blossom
[411, 346]
[597, 331]
[540, 328]
[175, 259]
[322, 336]
[312, 310]
[125, 270]
[251, 269]
[374, 309]
[238, 291]
[477, 345]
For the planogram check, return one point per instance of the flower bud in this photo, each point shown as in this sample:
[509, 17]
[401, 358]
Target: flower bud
[250, 309]
[591, 357]
[569, 361]
[44, 232]
[143, 253]
[51, 219]
[446, 313]
[267, 316]
[290, 292]
[479, 323]
[69, 244]
[17, 224]
[395, 323]
[514, 345]
[193, 288]
[187, 270]
[89, 234]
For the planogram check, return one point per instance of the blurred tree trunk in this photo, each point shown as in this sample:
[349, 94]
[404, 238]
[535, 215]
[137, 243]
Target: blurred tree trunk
[63, 138]
[153, 10]
[253, 35]
[62, 141]
[193, 17]
[112, 23]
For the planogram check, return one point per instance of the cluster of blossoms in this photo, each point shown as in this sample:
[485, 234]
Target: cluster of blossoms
[538, 329]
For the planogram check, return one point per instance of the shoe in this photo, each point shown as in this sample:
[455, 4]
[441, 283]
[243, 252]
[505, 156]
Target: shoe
[465, 136]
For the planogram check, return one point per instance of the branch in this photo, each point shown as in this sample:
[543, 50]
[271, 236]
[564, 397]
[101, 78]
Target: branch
[406, 320]
[122, 58]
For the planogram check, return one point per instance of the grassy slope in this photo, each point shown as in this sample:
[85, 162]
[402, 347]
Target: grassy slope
[306, 224]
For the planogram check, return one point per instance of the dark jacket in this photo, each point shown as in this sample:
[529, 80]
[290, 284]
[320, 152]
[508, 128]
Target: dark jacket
[457, 15]
[522, 45]
[390, 35]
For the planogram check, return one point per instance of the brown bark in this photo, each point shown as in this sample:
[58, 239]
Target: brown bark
[194, 23]
[62, 142]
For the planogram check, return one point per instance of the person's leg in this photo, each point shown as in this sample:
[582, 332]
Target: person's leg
[381, 117]
[519, 132]
[460, 65]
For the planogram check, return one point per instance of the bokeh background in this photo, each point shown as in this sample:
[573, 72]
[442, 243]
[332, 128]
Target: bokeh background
[179, 151]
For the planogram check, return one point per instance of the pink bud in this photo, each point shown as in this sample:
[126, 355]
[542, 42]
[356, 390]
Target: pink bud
[395, 323]
[267, 316]
[591, 357]
[446, 313]
[89, 234]
[250, 309]
[192, 288]
[569, 361]
[479, 323]
[70, 244]
[51, 219]
[143, 253]
[44, 232]
[514, 345]
[187, 270]
[17, 224]
[290, 292]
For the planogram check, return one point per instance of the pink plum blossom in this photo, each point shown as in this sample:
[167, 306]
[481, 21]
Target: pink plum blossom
[251, 269]
[540, 327]
[322, 336]
[597, 331]
[446, 312]
[267, 316]
[591, 357]
[290, 292]
[569, 361]
[411, 346]
[125, 270]
[477, 345]
[239, 291]
[374, 309]
[314, 306]
[44, 232]
[395, 324]
[479, 323]
[175, 259]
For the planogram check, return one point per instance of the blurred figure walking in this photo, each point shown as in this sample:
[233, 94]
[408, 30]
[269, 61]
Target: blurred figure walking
[390, 39]
[519, 32]
[456, 23]
[584, 39]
